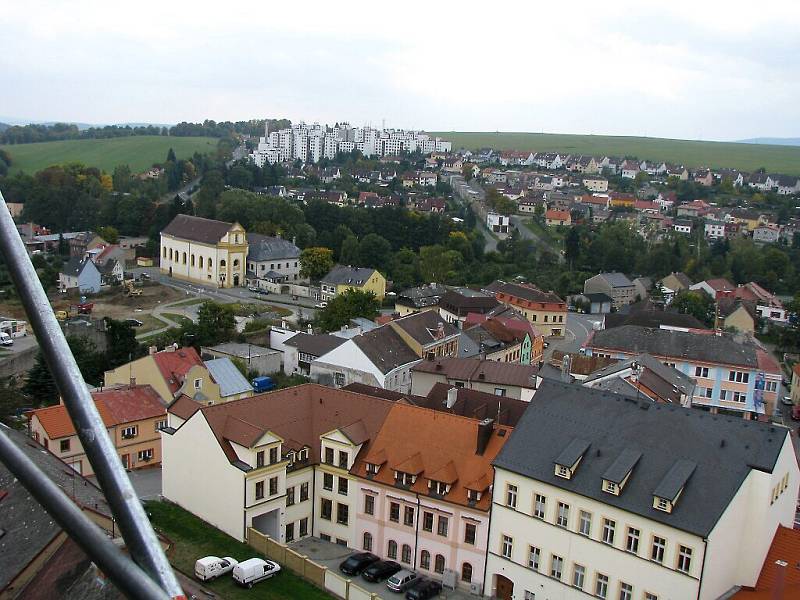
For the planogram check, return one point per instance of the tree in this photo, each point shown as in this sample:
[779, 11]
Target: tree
[11, 400]
[374, 251]
[40, 387]
[344, 307]
[349, 255]
[122, 178]
[215, 324]
[698, 304]
[466, 171]
[171, 156]
[122, 344]
[109, 234]
[316, 262]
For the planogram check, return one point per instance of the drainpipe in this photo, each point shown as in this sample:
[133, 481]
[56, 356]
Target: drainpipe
[416, 532]
[488, 535]
[244, 507]
[702, 567]
[312, 497]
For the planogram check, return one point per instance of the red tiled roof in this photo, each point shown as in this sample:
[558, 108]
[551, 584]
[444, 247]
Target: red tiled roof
[786, 547]
[174, 365]
[557, 215]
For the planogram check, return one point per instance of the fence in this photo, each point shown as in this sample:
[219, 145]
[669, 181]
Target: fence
[306, 568]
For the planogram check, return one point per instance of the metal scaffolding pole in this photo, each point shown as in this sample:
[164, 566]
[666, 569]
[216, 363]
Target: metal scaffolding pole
[139, 536]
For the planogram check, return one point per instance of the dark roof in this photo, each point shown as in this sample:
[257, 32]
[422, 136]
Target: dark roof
[264, 247]
[615, 280]
[315, 344]
[423, 326]
[682, 345]
[379, 392]
[481, 370]
[598, 297]
[422, 296]
[623, 465]
[341, 275]
[572, 452]
[75, 265]
[474, 404]
[613, 424]
[197, 229]
[669, 375]
[463, 300]
[652, 318]
[525, 291]
[385, 348]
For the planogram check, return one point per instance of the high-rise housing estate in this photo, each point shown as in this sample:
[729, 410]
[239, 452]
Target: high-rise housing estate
[311, 143]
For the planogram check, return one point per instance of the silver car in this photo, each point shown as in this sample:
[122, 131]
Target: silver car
[401, 581]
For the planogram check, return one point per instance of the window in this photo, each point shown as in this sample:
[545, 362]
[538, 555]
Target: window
[601, 586]
[499, 391]
[704, 392]
[556, 566]
[129, 432]
[405, 555]
[303, 526]
[539, 503]
[610, 487]
[290, 496]
[303, 492]
[511, 495]
[663, 504]
[563, 514]
[329, 456]
[772, 386]
[259, 490]
[625, 591]
[343, 486]
[585, 526]
[391, 552]
[273, 486]
[273, 455]
[367, 543]
[64, 445]
[507, 546]
[369, 505]
[739, 376]
[632, 543]
[534, 554]
[649, 596]
[191, 259]
[408, 516]
[684, 559]
[466, 572]
[562, 471]
[608, 531]
[327, 481]
[739, 397]
[701, 371]
[438, 564]
[145, 455]
[325, 537]
[425, 560]
[342, 513]
[657, 552]
[198, 383]
[342, 459]
[427, 521]
[724, 394]
[326, 509]
[578, 576]
[338, 379]
[469, 533]
[160, 425]
[394, 512]
[442, 526]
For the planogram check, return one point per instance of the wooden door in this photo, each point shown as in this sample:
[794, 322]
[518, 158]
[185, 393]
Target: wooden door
[505, 588]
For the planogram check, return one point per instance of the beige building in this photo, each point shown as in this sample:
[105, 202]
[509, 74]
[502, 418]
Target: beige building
[204, 251]
[545, 310]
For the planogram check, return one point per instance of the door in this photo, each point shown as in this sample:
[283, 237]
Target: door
[236, 280]
[504, 588]
[126, 461]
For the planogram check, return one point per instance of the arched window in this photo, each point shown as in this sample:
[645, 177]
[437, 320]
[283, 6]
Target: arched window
[184, 258]
[466, 572]
[210, 263]
[235, 262]
[222, 263]
[164, 252]
[392, 552]
[191, 259]
[406, 556]
[438, 564]
[367, 541]
[200, 262]
[170, 253]
[425, 560]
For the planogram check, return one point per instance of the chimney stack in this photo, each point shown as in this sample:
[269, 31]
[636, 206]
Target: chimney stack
[452, 396]
[485, 429]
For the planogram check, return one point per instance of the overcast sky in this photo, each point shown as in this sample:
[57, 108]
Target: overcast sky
[700, 69]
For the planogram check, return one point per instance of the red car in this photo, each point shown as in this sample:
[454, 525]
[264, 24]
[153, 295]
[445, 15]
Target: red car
[796, 412]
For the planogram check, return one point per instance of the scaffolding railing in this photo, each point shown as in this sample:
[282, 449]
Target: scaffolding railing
[153, 577]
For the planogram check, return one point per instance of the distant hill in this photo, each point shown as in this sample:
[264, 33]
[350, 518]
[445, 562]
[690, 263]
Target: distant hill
[772, 141]
[4, 126]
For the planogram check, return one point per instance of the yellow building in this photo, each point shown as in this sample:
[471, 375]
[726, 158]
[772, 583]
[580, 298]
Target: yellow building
[204, 251]
[341, 279]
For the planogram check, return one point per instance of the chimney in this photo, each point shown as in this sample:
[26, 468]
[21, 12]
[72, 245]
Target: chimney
[133, 381]
[485, 428]
[440, 331]
[780, 579]
[452, 396]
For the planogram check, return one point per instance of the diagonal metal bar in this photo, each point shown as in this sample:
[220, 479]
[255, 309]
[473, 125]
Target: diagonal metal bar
[139, 536]
[125, 574]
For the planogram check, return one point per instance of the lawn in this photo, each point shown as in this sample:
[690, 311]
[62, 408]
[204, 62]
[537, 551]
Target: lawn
[149, 323]
[177, 318]
[550, 235]
[194, 538]
[190, 302]
[692, 153]
[139, 152]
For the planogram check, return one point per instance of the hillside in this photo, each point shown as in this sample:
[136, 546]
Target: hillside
[747, 157]
[774, 141]
[140, 152]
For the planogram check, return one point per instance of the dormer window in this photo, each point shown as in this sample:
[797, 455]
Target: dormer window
[617, 475]
[438, 487]
[610, 487]
[566, 463]
[373, 469]
[669, 490]
[562, 471]
[473, 496]
[404, 478]
[290, 456]
[662, 504]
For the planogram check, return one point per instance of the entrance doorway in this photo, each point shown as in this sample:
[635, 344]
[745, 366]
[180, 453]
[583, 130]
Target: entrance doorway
[267, 524]
[504, 588]
[236, 280]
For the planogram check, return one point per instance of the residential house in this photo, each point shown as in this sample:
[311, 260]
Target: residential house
[492, 340]
[262, 360]
[695, 208]
[595, 184]
[472, 403]
[499, 224]
[586, 501]
[682, 226]
[621, 200]
[704, 177]
[545, 310]
[644, 378]
[453, 165]
[673, 283]
[714, 287]
[630, 169]
[424, 297]
[787, 185]
[734, 375]
[271, 260]
[678, 171]
[425, 179]
[557, 217]
[530, 205]
[342, 278]
[516, 327]
[595, 304]
[643, 286]
[766, 234]
[768, 306]
[81, 274]
[302, 349]
[615, 285]
[457, 303]
[648, 314]
[499, 378]
[204, 251]
[736, 315]
[714, 230]
[133, 416]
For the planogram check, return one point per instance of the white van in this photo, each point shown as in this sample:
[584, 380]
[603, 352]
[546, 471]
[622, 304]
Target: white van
[253, 570]
[211, 567]
[5, 339]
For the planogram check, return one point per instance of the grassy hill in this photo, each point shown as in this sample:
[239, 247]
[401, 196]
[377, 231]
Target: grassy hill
[140, 152]
[747, 157]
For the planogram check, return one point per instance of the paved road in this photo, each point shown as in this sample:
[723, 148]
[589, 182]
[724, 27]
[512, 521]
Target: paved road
[21, 344]
[577, 331]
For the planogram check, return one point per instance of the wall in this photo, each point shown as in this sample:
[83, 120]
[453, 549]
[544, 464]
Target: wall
[18, 362]
[145, 371]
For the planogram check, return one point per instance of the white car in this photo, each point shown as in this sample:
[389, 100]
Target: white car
[321, 305]
[211, 567]
[253, 570]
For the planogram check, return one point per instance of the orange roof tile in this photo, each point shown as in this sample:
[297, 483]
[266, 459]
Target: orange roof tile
[786, 547]
[57, 424]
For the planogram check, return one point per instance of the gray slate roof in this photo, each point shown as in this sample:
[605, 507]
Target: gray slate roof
[342, 275]
[385, 348]
[228, 377]
[197, 229]
[665, 435]
[75, 265]
[242, 350]
[723, 348]
[314, 344]
[670, 375]
[264, 247]
[616, 280]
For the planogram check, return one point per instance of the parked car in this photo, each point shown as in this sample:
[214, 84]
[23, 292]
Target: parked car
[133, 322]
[402, 580]
[253, 288]
[424, 589]
[321, 305]
[253, 570]
[5, 339]
[211, 567]
[787, 400]
[378, 571]
[263, 291]
[796, 413]
[355, 563]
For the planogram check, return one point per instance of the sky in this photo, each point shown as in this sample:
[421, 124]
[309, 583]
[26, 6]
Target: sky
[698, 69]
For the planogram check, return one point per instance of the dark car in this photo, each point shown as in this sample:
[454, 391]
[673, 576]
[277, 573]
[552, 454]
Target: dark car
[355, 563]
[134, 322]
[378, 571]
[796, 413]
[424, 589]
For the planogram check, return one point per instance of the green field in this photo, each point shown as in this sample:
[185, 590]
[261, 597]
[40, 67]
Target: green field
[746, 157]
[139, 152]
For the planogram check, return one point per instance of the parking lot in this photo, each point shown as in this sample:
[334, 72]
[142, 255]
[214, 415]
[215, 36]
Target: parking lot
[330, 555]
